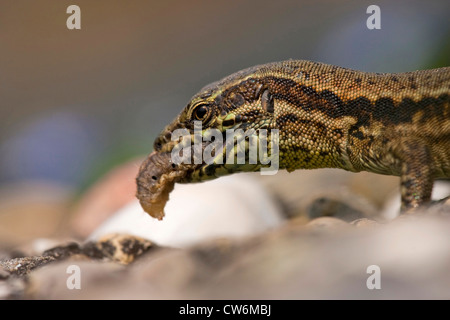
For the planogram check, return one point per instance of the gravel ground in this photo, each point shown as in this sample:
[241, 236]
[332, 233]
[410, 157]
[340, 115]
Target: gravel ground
[335, 229]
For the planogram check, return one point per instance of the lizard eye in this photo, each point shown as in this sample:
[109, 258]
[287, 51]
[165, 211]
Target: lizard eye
[201, 112]
[267, 101]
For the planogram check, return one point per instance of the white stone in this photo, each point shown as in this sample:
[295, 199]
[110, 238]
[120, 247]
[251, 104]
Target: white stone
[234, 206]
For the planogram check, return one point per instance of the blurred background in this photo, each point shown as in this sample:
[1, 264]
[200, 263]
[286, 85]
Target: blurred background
[77, 103]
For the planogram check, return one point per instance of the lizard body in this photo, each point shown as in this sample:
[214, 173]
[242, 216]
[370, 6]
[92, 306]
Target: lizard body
[328, 116]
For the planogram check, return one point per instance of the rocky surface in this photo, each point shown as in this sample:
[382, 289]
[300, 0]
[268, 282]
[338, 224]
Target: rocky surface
[232, 207]
[332, 229]
[326, 258]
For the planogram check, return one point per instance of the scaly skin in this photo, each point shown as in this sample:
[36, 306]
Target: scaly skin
[327, 116]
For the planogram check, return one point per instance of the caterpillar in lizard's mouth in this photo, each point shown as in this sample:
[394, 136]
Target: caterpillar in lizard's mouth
[156, 179]
[161, 170]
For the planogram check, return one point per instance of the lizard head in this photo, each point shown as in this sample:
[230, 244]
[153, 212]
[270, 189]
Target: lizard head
[274, 111]
[239, 101]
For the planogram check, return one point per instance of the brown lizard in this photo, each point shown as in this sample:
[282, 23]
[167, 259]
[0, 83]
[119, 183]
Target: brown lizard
[327, 116]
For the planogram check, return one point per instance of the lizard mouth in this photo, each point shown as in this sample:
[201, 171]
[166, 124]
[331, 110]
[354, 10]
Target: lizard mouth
[159, 172]
[199, 162]
[209, 171]
[157, 176]
[213, 159]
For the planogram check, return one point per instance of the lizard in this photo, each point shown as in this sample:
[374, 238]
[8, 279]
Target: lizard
[328, 117]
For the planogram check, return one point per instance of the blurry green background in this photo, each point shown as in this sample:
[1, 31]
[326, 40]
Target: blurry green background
[74, 103]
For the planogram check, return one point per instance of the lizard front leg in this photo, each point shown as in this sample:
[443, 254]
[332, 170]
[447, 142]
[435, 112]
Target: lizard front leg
[416, 179]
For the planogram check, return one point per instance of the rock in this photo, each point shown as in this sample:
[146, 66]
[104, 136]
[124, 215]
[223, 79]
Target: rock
[159, 276]
[235, 206]
[441, 190]
[120, 248]
[22, 266]
[365, 223]
[96, 279]
[39, 245]
[330, 192]
[229, 240]
[63, 251]
[12, 288]
[440, 207]
[327, 223]
[4, 274]
[293, 261]
[413, 257]
[347, 208]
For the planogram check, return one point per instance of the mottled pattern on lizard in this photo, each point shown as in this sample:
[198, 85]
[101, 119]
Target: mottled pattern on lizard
[328, 116]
